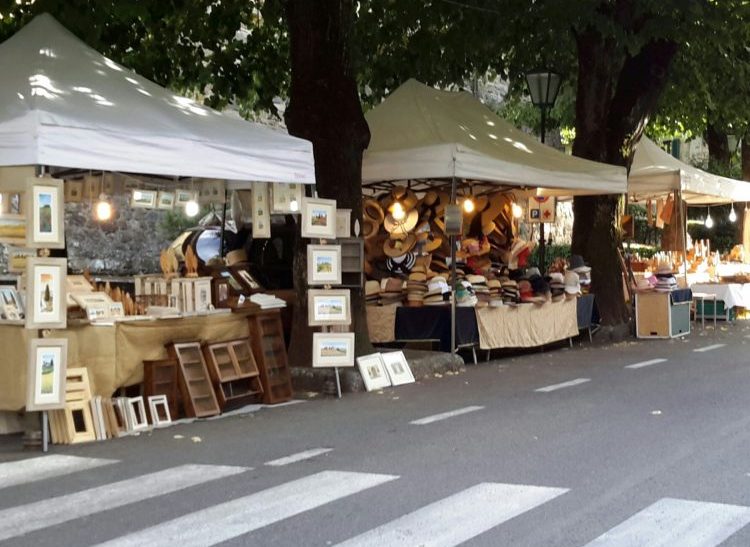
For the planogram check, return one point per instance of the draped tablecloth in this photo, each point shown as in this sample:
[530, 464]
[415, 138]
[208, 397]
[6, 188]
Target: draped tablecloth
[527, 325]
[730, 293]
[381, 323]
[113, 354]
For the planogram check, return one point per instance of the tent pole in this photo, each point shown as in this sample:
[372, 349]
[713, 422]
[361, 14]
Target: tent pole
[454, 192]
[223, 225]
[683, 233]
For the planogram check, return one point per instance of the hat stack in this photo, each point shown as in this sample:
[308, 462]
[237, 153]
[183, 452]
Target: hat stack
[416, 286]
[572, 284]
[578, 266]
[665, 279]
[465, 296]
[510, 293]
[525, 291]
[438, 291]
[481, 290]
[496, 297]
[372, 293]
[391, 291]
[557, 286]
[540, 287]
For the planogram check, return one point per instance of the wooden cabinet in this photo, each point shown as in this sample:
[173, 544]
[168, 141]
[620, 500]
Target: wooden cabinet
[195, 383]
[161, 377]
[267, 340]
[234, 372]
[656, 316]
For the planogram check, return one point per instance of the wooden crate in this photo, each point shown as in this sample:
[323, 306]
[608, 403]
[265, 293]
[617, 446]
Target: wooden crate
[197, 392]
[234, 372]
[162, 377]
[269, 349]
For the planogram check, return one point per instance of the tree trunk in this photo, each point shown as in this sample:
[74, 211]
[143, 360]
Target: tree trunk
[718, 149]
[325, 109]
[743, 215]
[616, 95]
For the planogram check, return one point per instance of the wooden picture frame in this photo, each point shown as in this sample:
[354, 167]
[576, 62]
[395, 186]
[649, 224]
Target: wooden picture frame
[283, 197]
[373, 371]
[73, 191]
[333, 349]
[212, 191]
[183, 196]
[397, 368]
[46, 300]
[45, 218]
[143, 199]
[343, 223]
[261, 212]
[11, 306]
[92, 299]
[328, 307]
[45, 374]
[324, 264]
[165, 201]
[318, 218]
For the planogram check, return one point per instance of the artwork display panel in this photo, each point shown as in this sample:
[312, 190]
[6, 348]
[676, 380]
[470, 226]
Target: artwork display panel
[45, 226]
[328, 307]
[324, 264]
[46, 299]
[373, 371]
[333, 349]
[45, 377]
[319, 218]
[398, 368]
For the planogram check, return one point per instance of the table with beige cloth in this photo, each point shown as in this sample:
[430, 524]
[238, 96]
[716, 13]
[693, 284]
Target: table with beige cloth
[113, 354]
[523, 326]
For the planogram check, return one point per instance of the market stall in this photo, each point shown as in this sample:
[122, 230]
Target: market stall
[75, 125]
[447, 182]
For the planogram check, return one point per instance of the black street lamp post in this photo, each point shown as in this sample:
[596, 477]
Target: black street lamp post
[544, 86]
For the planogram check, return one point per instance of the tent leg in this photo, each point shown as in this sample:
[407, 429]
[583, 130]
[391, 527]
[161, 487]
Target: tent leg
[454, 191]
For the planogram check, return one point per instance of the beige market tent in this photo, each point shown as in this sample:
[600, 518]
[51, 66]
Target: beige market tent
[420, 132]
[655, 173]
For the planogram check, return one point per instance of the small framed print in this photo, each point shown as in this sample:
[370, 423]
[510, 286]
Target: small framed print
[93, 299]
[397, 368]
[328, 307]
[165, 201]
[287, 198]
[324, 264]
[182, 196]
[45, 375]
[333, 349]
[116, 309]
[92, 187]
[343, 223]
[319, 218]
[212, 191]
[261, 212]
[17, 258]
[143, 199]
[45, 226]
[242, 275]
[73, 191]
[11, 306]
[96, 312]
[203, 294]
[46, 301]
[373, 371]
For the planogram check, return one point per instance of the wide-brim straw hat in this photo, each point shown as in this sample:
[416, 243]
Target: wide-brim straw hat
[406, 197]
[400, 228]
[370, 227]
[399, 247]
[371, 288]
[371, 209]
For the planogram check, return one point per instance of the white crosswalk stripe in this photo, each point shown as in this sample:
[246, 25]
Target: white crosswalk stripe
[299, 456]
[458, 518]
[52, 511]
[674, 522]
[243, 515]
[45, 467]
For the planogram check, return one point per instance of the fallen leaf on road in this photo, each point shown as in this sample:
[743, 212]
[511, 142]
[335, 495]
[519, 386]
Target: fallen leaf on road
[395, 398]
[438, 375]
[196, 439]
[178, 437]
[655, 412]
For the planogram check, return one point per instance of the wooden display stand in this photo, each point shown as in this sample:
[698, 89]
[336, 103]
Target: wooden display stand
[162, 377]
[195, 384]
[234, 372]
[267, 339]
[657, 317]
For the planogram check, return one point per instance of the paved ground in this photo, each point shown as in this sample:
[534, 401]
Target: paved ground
[561, 448]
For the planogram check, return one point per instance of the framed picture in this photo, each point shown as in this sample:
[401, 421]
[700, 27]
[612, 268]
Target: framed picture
[93, 299]
[143, 199]
[343, 223]
[261, 212]
[245, 278]
[203, 294]
[328, 307]
[398, 368]
[45, 376]
[45, 226]
[165, 201]
[78, 284]
[95, 312]
[73, 191]
[92, 187]
[17, 258]
[182, 196]
[333, 349]
[373, 372]
[285, 196]
[11, 306]
[46, 303]
[324, 264]
[212, 191]
[116, 309]
[319, 218]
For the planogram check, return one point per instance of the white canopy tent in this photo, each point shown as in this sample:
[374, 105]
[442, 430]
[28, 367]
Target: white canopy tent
[419, 132]
[63, 104]
[655, 173]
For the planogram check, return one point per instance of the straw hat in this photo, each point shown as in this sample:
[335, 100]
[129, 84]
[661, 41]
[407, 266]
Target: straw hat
[370, 227]
[371, 288]
[372, 210]
[430, 198]
[400, 228]
[236, 257]
[406, 197]
[399, 247]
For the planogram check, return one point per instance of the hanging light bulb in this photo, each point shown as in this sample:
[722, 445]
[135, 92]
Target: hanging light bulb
[192, 208]
[468, 205]
[709, 221]
[732, 215]
[517, 210]
[103, 210]
[397, 210]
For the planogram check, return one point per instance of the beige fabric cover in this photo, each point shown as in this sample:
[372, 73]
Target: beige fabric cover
[381, 323]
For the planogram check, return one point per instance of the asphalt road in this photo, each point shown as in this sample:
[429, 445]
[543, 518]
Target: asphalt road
[561, 448]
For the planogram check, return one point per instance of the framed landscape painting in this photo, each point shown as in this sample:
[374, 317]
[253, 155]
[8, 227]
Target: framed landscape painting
[328, 307]
[373, 372]
[324, 264]
[319, 218]
[333, 349]
[46, 300]
[144, 199]
[45, 376]
[397, 368]
[45, 226]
